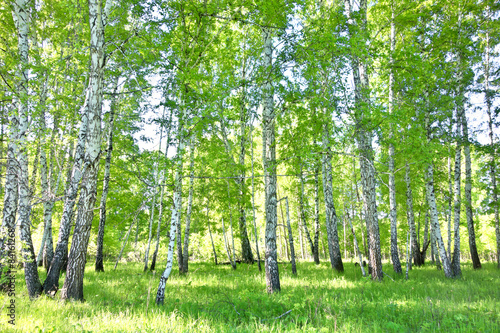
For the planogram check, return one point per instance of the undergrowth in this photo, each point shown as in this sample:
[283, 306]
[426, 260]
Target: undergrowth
[217, 299]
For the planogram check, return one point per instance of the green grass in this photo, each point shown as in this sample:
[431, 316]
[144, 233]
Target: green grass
[216, 299]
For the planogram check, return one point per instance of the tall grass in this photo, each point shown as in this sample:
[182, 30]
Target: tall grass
[217, 299]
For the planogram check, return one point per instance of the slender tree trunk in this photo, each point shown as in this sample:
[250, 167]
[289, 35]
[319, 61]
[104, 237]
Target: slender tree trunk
[331, 214]
[153, 205]
[162, 190]
[476, 263]
[33, 285]
[176, 214]
[290, 238]
[396, 264]
[246, 249]
[269, 166]
[226, 245]
[449, 199]
[253, 203]
[51, 284]
[436, 231]
[489, 103]
[415, 246]
[455, 263]
[73, 284]
[11, 196]
[185, 253]
[303, 215]
[99, 262]
[316, 217]
[211, 238]
[364, 137]
[233, 261]
[360, 256]
[151, 219]
[127, 235]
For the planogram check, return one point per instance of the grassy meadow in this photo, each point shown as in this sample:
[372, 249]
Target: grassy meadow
[217, 299]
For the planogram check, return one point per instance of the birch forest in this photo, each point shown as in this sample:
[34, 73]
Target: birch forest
[161, 141]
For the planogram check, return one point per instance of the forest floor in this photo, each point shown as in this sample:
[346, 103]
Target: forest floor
[217, 299]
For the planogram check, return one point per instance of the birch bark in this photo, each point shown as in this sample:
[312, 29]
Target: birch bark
[99, 262]
[415, 246]
[455, 263]
[331, 214]
[162, 191]
[33, 285]
[396, 263]
[489, 104]
[476, 262]
[253, 203]
[176, 211]
[364, 138]
[185, 251]
[433, 212]
[73, 284]
[269, 164]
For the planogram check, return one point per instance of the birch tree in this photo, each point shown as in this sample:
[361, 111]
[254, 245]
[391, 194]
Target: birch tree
[99, 264]
[73, 284]
[269, 166]
[364, 135]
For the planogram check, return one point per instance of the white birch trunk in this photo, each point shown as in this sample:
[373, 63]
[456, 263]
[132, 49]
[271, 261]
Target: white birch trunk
[176, 213]
[303, 215]
[331, 214]
[73, 284]
[99, 260]
[396, 264]
[290, 238]
[269, 165]
[364, 138]
[185, 251]
[253, 203]
[489, 104]
[455, 263]
[476, 263]
[211, 237]
[431, 200]
[162, 190]
[21, 18]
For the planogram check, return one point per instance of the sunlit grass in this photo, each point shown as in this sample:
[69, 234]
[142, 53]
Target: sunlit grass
[216, 298]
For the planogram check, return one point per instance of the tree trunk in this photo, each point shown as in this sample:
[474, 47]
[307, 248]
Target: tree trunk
[51, 284]
[489, 103]
[127, 235]
[269, 165]
[246, 249]
[418, 260]
[396, 264]
[185, 253]
[211, 238]
[455, 263]
[176, 214]
[253, 203]
[151, 219]
[431, 200]
[11, 196]
[33, 285]
[162, 190]
[357, 247]
[363, 138]
[303, 215]
[99, 264]
[331, 214]
[73, 284]
[476, 263]
[316, 217]
[290, 238]
[449, 199]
